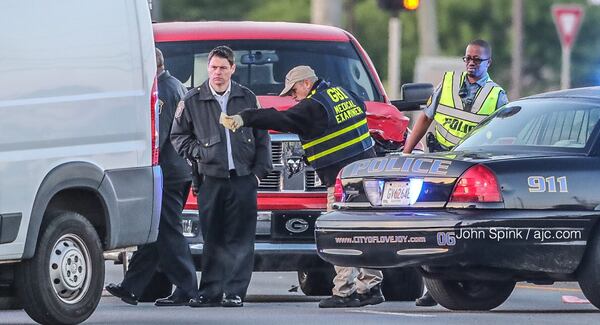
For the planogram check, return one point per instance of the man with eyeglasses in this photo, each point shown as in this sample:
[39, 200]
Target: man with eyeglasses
[460, 102]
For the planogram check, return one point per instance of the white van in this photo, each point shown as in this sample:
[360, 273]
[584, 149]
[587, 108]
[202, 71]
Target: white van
[78, 155]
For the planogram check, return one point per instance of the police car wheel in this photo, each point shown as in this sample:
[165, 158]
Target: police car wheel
[62, 283]
[402, 284]
[316, 282]
[469, 295]
[588, 273]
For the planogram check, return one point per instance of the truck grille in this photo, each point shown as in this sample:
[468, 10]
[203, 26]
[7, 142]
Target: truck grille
[276, 152]
[284, 147]
[311, 182]
[270, 182]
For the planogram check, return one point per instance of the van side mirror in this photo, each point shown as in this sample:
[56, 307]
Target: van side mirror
[413, 96]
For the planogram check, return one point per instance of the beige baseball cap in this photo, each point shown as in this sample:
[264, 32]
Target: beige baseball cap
[298, 73]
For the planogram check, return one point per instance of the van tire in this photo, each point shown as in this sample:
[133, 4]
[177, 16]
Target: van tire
[588, 273]
[402, 284]
[62, 283]
[470, 294]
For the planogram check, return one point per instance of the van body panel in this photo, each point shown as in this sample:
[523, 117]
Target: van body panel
[75, 108]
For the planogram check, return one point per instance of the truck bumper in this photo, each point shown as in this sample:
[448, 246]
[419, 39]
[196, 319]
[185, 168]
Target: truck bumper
[284, 240]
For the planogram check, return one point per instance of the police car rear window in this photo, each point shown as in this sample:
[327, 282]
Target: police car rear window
[542, 124]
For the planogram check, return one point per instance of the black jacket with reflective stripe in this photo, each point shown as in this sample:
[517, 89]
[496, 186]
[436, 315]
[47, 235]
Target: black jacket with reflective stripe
[347, 133]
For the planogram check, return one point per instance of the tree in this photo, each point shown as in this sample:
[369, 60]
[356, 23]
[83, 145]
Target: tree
[458, 23]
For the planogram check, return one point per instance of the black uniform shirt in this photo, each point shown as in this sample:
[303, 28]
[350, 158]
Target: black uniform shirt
[170, 92]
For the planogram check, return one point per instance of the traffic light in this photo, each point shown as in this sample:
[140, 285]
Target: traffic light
[398, 5]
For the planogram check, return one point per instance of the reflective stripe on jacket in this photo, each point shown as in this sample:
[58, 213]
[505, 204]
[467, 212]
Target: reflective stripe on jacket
[347, 133]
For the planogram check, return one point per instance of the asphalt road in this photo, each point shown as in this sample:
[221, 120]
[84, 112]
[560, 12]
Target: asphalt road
[271, 302]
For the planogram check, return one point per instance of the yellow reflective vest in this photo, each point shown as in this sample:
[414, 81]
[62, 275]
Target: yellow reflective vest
[452, 121]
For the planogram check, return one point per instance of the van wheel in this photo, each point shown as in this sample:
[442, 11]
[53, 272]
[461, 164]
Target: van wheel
[62, 283]
[402, 284]
[588, 273]
[469, 295]
[316, 282]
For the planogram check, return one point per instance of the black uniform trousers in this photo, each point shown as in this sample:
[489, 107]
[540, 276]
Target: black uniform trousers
[227, 209]
[170, 252]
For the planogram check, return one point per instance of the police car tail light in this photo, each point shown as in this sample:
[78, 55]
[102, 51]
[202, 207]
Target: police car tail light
[373, 190]
[477, 184]
[154, 122]
[338, 190]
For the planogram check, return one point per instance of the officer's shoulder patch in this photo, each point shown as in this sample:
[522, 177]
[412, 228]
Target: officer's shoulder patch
[160, 106]
[429, 100]
[180, 108]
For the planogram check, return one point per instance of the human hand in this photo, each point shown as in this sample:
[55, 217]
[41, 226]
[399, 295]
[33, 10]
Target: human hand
[233, 122]
[226, 121]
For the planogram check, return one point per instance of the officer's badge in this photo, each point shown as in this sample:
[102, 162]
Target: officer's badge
[179, 111]
[160, 106]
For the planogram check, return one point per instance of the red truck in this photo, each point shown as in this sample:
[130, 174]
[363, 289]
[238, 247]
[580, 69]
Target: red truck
[291, 197]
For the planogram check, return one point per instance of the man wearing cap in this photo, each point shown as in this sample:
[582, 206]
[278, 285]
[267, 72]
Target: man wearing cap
[332, 126]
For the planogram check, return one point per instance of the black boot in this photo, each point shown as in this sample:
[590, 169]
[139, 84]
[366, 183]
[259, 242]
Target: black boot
[118, 291]
[426, 301]
[340, 302]
[372, 297]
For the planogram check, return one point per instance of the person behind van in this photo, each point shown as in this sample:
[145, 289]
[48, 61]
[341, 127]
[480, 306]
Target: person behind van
[170, 251]
[332, 125]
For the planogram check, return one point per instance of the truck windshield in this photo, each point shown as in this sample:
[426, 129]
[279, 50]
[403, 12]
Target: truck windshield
[261, 65]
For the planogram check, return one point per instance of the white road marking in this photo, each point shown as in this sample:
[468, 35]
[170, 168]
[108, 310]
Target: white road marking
[377, 312]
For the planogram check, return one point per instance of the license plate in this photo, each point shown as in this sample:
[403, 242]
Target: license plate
[396, 194]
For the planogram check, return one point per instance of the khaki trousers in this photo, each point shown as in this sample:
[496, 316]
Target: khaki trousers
[351, 279]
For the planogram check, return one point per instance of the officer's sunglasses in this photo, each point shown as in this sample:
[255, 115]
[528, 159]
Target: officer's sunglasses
[466, 59]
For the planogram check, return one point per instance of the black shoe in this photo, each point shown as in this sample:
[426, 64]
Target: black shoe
[120, 292]
[232, 301]
[340, 302]
[372, 297]
[426, 301]
[172, 301]
[203, 301]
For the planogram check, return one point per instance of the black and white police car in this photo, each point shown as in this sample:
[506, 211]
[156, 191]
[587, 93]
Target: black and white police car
[517, 200]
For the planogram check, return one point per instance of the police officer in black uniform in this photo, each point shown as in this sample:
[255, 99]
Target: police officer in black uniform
[230, 165]
[332, 126]
[170, 251]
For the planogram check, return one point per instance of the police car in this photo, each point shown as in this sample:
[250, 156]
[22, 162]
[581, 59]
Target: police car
[517, 200]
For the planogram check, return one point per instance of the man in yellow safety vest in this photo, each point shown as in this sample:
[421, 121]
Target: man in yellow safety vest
[460, 102]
